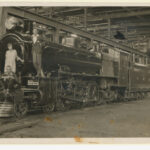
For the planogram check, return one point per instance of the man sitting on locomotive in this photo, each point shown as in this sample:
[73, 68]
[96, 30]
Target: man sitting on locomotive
[11, 86]
[37, 52]
[9, 79]
[11, 57]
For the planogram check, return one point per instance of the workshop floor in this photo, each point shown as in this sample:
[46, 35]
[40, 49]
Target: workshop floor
[126, 119]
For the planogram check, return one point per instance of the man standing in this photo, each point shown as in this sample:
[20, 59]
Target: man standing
[37, 52]
[11, 57]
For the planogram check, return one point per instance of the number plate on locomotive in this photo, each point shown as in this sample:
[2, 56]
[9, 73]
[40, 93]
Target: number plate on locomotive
[31, 82]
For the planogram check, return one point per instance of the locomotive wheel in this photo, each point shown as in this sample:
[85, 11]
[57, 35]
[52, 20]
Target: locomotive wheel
[61, 106]
[20, 109]
[138, 96]
[49, 108]
[120, 97]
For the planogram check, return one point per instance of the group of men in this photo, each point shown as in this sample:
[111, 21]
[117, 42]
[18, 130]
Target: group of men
[11, 55]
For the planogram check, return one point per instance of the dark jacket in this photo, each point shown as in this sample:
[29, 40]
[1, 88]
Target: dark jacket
[37, 46]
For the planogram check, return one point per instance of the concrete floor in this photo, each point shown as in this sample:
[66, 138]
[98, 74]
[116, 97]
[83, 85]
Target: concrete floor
[127, 119]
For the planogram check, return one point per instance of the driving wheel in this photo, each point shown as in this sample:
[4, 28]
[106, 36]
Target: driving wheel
[49, 107]
[20, 109]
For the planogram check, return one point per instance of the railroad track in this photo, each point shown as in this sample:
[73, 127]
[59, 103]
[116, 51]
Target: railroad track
[4, 121]
[14, 125]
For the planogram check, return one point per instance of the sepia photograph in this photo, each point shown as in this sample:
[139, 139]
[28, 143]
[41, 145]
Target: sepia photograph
[74, 72]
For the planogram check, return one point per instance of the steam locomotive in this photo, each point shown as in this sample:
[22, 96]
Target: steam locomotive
[73, 77]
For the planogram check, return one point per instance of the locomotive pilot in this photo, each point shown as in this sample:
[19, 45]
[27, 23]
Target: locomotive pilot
[37, 52]
[10, 58]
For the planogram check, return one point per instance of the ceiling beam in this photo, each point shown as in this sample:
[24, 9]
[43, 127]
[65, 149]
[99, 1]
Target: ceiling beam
[130, 34]
[104, 16]
[129, 24]
[50, 22]
[118, 26]
[67, 12]
[91, 10]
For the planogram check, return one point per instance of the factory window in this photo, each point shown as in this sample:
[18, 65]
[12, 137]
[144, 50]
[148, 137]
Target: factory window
[148, 61]
[136, 59]
[145, 60]
[140, 60]
[105, 50]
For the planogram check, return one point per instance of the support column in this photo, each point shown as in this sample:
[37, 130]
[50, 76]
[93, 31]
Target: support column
[36, 10]
[109, 28]
[148, 47]
[126, 33]
[50, 12]
[85, 18]
[56, 35]
[3, 17]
